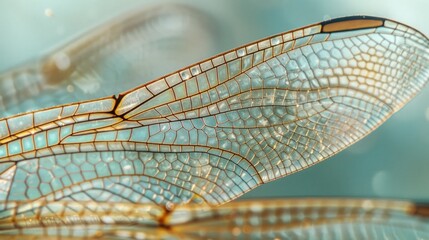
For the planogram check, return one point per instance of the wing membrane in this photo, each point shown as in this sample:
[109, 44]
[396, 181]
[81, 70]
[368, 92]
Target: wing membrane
[222, 127]
[256, 219]
[115, 56]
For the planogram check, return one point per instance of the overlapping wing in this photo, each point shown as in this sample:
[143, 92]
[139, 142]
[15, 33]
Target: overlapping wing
[256, 219]
[222, 127]
[117, 55]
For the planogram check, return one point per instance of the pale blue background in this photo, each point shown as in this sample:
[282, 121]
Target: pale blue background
[392, 162]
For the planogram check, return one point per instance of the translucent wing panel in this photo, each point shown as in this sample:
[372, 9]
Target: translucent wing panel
[221, 127]
[257, 219]
[115, 56]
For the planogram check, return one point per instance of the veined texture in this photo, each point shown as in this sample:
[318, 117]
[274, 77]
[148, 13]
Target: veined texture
[256, 219]
[117, 55]
[222, 127]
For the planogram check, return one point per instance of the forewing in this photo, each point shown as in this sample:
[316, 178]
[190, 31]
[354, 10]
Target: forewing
[222, 127]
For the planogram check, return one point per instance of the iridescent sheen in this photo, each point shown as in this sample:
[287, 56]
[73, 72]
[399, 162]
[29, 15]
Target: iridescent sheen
[219, 128]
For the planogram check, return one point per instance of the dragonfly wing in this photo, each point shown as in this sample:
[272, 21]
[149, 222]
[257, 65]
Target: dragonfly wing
[221, 127]
[302, 219]
[113, 57]
[255, 219]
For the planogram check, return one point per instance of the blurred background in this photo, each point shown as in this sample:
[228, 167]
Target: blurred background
[392, 162]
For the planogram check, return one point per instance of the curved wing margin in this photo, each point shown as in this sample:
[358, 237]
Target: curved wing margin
[219, 128]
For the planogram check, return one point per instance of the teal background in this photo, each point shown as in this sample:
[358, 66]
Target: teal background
[392, 162]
